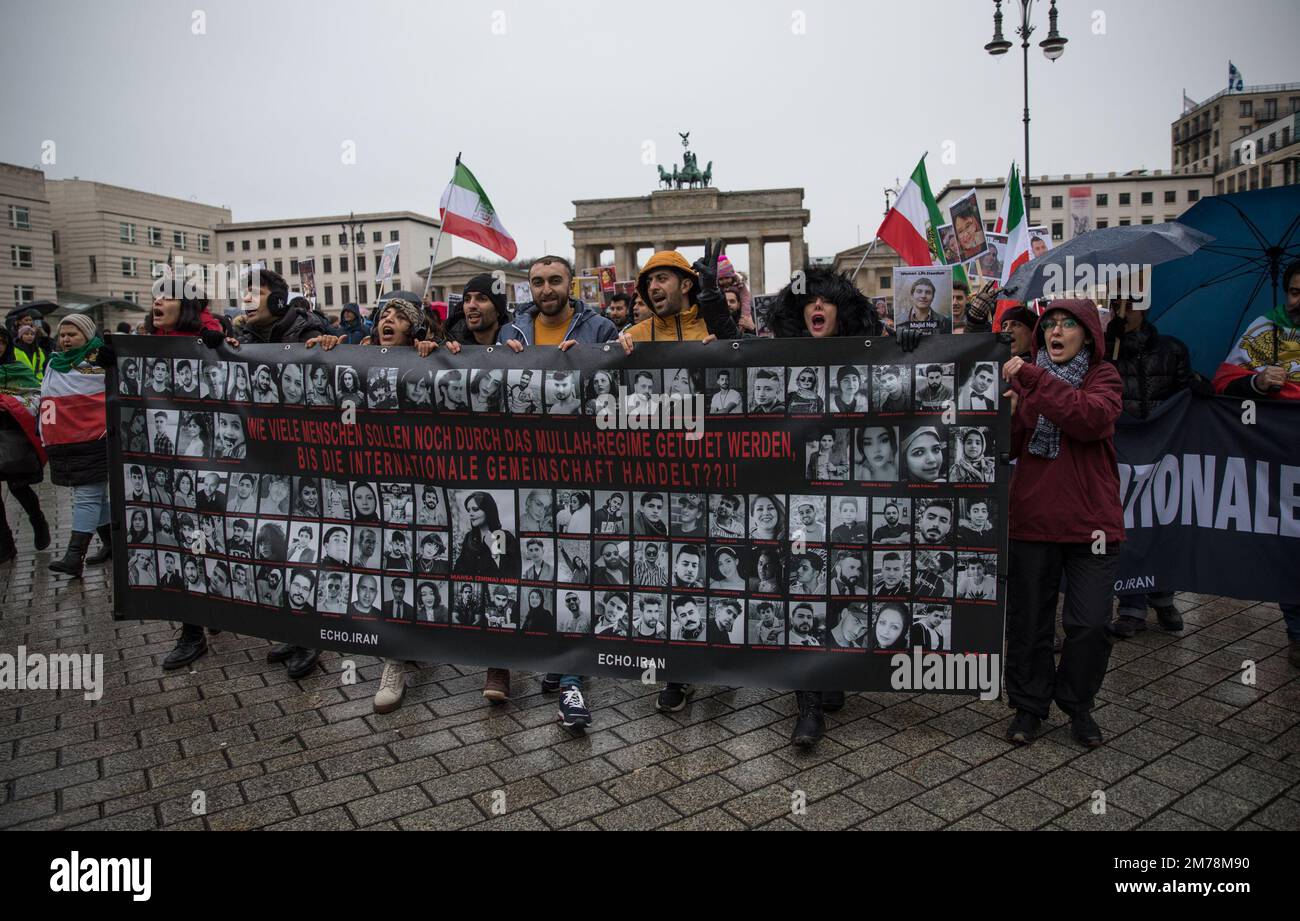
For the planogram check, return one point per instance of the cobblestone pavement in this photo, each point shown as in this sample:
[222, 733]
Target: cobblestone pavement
[1189, 745]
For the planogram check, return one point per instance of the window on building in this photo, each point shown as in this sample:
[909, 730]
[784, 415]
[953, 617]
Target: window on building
[345, 293]
[1148, 198]
[1124, 222]
[1171, 196]
[392, 236]
[205, 243]
[1270, 109]
[1058, 201]
[329, 295]
[309, 241]
[293, 266]
[24, 293]
[245, 245]
[1148, 219]
[326, 266]
[431, 243]
[230, 246]
[990, 204]
[293, 243]
[1125, 198]
[989, 225]
[279, 267]
[885, 281]
[1058, 230]
[361, 292]
[94, 270]
[155, 236]
[275, 242]
[180, 239]
[1193, 194]
[131, 297]
[1035, 202]
[20, 218]
[1103, 199]
[324, 239]
[54, 239]
[128, 267]
[1103, 224]
[20, 256]
[126, 233]
[343, 263]
[377, 236]
[1247, 108]
[397, 264]
[361, 266]
[58, 275]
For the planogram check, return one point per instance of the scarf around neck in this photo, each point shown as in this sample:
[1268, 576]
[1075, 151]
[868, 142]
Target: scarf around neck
[64, 362]
[1046, 441]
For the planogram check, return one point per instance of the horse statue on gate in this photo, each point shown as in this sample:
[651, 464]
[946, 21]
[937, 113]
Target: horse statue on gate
[666, 178]
[707, 176]
[690, 175]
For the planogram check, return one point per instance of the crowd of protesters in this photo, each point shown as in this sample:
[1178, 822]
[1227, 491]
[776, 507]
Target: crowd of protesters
[1068, 379]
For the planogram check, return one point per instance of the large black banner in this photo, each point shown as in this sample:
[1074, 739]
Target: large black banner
[783, 514]
[1211, 492]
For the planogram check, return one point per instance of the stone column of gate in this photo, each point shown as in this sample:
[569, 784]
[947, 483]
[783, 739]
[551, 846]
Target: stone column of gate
[625, 261]
[757, 279]
[662, 245]
[798, 254]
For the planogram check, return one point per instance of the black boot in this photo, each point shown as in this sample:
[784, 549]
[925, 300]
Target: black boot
[76, 553]
[8, 550]
[41, 531]
[811, 724]
[302, 662]
[105, 551]
[190, 646]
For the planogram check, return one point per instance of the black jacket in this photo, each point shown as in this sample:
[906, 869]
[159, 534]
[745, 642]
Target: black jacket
[1154, 367]
[297, 325]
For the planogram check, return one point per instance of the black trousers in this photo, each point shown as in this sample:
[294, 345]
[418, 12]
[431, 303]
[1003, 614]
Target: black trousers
[27, 498]
[1033, 678]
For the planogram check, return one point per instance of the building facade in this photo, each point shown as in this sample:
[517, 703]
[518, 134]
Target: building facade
[1203, 136]
[26, 238]
[1068, 205]
[1264, 158]
[111, 241]
[874, 274]
[346, 258]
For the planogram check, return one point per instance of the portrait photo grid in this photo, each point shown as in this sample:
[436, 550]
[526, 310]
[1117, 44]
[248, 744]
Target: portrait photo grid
[875, 566]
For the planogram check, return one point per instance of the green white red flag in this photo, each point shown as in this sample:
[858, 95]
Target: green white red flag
[1017, 228]
[468, 213]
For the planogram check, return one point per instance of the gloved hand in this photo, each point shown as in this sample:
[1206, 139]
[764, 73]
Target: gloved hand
[105, 357]
[706, 267]
[980, 307]
[212, 338]
[909, 338]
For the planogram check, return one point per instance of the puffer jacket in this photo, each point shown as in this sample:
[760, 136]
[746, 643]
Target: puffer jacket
[297, 325]
[351, 327]
[1154, 367]
[586, 326]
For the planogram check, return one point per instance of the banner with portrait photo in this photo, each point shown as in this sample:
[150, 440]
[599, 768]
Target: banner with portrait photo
[841, 504]
[968, 226]
[923, 298]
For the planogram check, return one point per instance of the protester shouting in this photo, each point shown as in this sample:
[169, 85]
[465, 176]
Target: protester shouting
[74, 433]
[1065, 519]
[684, 300]
[22, 456]
[1266, 363]
[270, 318]
[1155, 367]
[399, 324]
[826, 305]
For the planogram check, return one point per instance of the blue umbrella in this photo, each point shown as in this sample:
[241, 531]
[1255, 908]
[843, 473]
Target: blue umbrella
[1208, 299]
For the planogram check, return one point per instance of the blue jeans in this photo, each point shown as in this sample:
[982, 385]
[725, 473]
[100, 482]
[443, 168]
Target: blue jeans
[1135, 605]
[1291, 614]
[566, 680]
[90, 507]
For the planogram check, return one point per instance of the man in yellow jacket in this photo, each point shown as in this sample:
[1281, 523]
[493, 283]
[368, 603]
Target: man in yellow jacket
[685, 301]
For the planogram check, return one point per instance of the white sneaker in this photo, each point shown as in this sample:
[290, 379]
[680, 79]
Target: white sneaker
[392, 685]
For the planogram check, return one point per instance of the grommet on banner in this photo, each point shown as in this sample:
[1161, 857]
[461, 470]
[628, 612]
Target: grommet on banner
[287, 347]
[735, 344]
[868, 343]
[490, 349]
[383, 351]
[606, 348]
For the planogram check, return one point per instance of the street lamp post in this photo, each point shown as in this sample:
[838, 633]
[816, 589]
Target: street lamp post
[352, 227]
[1053, 47]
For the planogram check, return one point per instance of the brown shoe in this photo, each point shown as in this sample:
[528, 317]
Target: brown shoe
[497, 686]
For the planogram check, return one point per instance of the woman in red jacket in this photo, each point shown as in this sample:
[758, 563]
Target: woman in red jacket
[1065, 519]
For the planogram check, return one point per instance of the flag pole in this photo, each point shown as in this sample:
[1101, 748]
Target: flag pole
[442, 227]
[870, 247]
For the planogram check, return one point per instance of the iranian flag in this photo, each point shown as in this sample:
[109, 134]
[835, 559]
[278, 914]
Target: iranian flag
[467, 213]
[1017, 252]
[912, 226]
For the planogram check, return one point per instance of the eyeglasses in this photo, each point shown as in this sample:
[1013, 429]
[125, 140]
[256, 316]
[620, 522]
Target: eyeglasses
[1063, 323]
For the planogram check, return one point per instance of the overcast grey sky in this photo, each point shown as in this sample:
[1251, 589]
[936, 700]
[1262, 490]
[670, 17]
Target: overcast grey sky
[553, 100]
